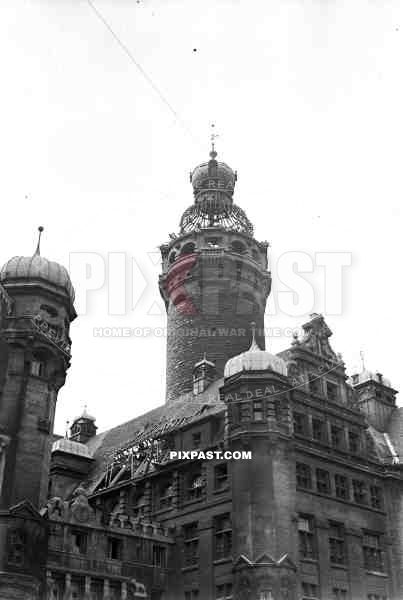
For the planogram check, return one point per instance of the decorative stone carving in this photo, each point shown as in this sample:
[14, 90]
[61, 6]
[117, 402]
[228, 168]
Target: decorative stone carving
[316, 337]
[56, 508]
[81, 511]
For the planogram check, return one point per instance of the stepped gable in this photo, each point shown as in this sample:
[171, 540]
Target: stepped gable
[154, 423]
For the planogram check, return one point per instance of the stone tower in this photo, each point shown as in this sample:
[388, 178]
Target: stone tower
[257, 394]
[36, 312]
[214, 279]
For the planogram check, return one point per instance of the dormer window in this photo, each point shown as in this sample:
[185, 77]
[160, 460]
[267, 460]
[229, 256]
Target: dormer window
[203, 375]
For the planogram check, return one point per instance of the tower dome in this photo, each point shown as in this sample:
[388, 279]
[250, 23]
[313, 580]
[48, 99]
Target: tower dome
[255, 359]
[213, 175]
[213, 187]
[37, 268]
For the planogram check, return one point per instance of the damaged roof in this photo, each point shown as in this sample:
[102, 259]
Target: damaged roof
[153, 424]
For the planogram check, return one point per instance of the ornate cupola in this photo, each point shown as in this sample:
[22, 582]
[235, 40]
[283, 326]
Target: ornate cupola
[213, 189]
[214, 279]
[255, 359]
[36, 269]
[83, 427]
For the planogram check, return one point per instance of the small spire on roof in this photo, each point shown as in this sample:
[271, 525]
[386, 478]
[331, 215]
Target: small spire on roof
[362, 355]
[213, 137]
[38, 247]
[254, 346]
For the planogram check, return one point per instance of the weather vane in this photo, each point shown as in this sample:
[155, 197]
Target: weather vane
[213, 137]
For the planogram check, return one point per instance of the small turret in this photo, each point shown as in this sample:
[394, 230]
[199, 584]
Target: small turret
[83, 427]
[376, 397]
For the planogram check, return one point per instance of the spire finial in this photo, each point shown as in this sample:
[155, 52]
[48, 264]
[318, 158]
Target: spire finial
[38, 247]
[254, 347]
[213, 137]
[362, 355]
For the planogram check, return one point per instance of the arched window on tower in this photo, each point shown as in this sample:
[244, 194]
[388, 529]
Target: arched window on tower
[38, 364]
[188, 248]
[238, 247]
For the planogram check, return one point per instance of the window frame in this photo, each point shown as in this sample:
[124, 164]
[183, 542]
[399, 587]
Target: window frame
[307, 542]
[222, 536]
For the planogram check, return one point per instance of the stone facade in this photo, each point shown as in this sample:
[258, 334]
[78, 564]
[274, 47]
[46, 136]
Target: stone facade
[312, 509]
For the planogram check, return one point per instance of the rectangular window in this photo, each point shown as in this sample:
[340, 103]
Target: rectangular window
[223, 591]
[304, 478]
[196, 439]
[37, 368]
[376, 597]
[306, 537]
[322, 481]
[192, 595]
[373, 560]
[360, 492]
[222, 536]
[336, 434]
[318, 430]
[258, 410]
[354, 442]
[115, 549]
[337, 544]
[221, 477]
[159, 556]
[300, 424]
[331, 391]
[339, 594]
[191, 542]
[341, 486]
[315, 384]
[376, 496]
[245, 412]
[310, 591]
[196, 486]
[79, 542]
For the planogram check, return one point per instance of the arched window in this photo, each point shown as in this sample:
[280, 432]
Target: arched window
[238, 247]
[188, 248]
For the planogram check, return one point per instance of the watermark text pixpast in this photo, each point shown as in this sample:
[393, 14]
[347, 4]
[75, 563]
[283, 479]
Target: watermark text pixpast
[130, 281]
[210, 455]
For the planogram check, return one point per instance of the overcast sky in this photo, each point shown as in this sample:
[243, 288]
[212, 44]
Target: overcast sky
[307, 99]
